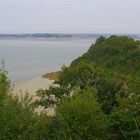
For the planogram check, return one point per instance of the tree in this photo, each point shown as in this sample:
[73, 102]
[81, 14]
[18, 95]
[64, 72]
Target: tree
[124, 122]
[100, 40]
[17, 115]
[79, 118]
[4, 84]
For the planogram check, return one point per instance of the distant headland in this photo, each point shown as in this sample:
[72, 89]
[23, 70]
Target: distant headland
[60, 35]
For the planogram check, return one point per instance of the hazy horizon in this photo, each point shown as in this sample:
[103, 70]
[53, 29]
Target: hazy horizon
[68, 16]
[70, 33]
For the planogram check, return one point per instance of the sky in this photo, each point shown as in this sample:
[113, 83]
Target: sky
[69, 16]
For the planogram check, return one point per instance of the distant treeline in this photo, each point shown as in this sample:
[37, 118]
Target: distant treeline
[48, 35]
[63, 35]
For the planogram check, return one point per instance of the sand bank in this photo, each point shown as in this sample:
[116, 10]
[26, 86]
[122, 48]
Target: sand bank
[32, 85]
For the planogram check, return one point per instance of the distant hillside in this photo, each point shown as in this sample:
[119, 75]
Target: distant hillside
[117, 56]
[62, 35]
[51, 35]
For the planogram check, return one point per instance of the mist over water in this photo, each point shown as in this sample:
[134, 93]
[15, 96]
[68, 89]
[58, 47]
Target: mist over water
[26, 58]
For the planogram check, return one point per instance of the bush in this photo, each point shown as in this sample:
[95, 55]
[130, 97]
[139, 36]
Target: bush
[79, 118]
[124, 122]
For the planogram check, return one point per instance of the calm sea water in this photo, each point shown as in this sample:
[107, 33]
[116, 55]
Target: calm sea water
[26, 58]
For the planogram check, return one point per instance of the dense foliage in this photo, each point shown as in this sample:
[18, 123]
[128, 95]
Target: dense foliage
[117, 56]
[112, 68]
[124, 121]
[18, 121]
[96, 98]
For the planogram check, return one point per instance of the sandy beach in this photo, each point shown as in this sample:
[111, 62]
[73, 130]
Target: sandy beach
[32, 85]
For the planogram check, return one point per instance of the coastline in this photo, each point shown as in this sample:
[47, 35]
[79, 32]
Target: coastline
[52, 75]
[32, 85]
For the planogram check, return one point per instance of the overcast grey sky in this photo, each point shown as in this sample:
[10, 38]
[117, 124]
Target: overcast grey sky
[67, 16]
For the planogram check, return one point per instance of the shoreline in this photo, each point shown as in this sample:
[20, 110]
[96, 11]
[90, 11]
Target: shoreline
[52, 75]
[32, 85]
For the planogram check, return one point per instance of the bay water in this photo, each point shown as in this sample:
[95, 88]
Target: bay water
[27, 58]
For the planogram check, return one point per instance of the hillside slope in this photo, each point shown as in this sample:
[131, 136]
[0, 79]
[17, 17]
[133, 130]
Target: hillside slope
[97, 97]
[117, 56]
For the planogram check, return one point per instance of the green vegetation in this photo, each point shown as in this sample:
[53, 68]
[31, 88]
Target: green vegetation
[96, 98]
[18, 121]
[52, 75]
